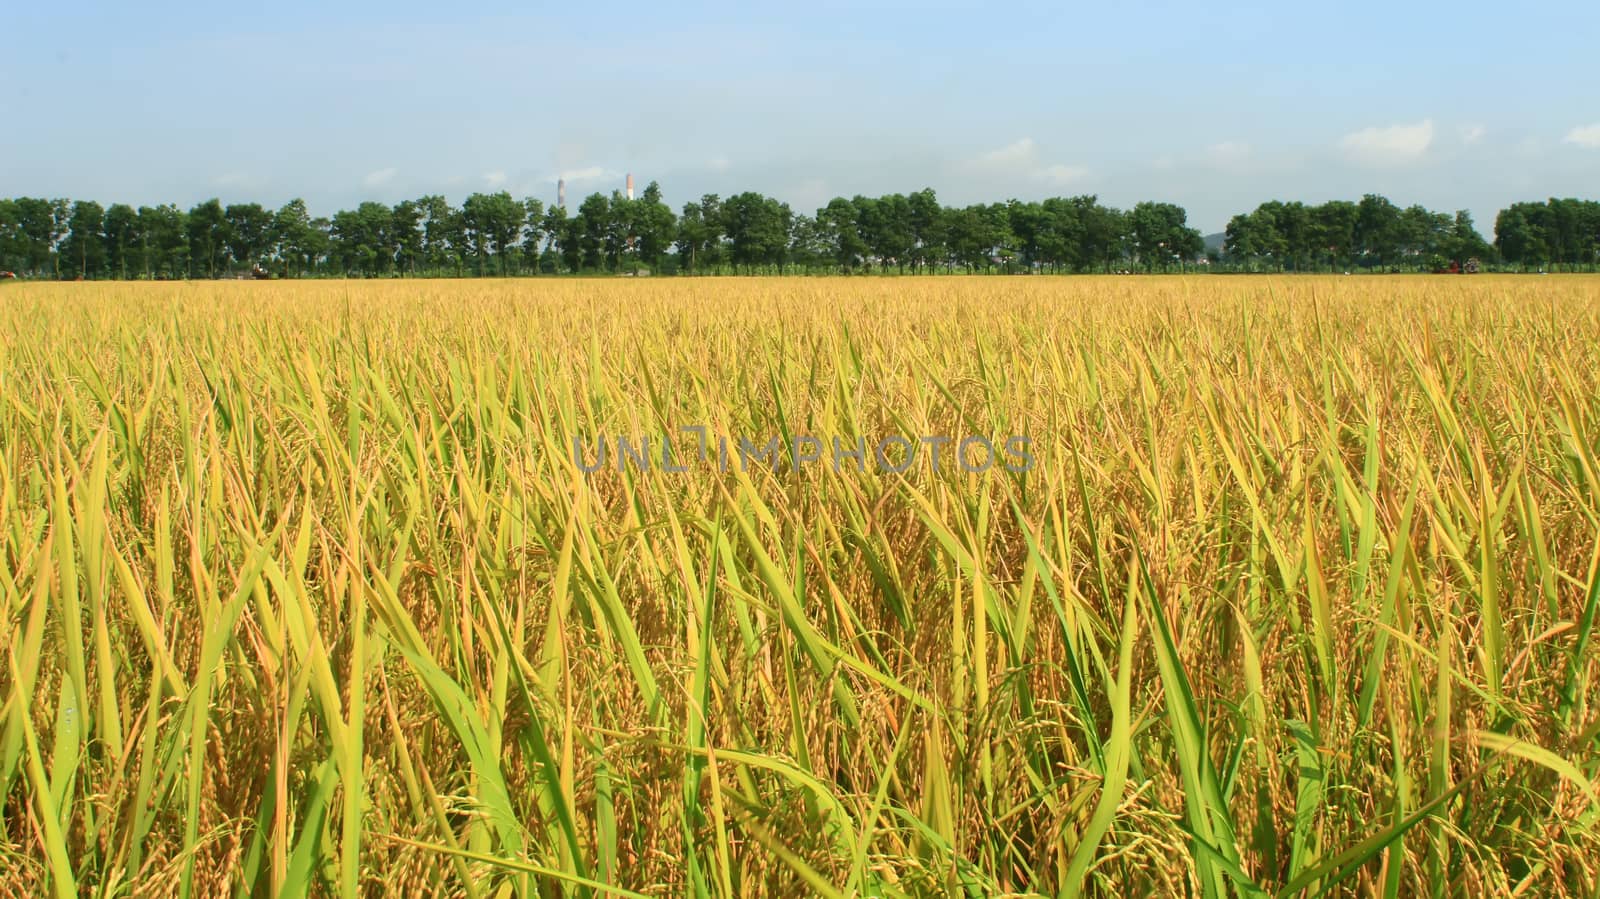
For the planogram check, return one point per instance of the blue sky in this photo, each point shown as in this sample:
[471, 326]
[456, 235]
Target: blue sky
[1216, 107]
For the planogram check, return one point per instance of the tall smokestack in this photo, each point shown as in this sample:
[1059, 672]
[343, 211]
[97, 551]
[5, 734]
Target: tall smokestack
[630, 185]
[561, 192]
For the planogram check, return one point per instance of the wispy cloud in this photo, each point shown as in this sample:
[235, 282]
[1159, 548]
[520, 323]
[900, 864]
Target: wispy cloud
[588, 173]
[495, 179]
[1586, 136]
[1228, 153]
[380, 177]
[1021, 153]
[1473, 134]
[1389, 146]
[234, 179]
[718, 164]
[1022, 157]
[1062, 175]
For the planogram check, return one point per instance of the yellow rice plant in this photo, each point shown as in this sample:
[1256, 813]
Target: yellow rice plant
[304, 591]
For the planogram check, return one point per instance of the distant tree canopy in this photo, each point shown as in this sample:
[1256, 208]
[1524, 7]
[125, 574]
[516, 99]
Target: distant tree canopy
[1560, 232]
[497, 234]
[1370, 234]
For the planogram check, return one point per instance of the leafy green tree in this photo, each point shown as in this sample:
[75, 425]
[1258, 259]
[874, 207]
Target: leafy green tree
[886, 227]
[291, 237]
[165, 249]
[1555, 232]
[1104, 230]
[1002, 239]
[1061, 238]
[618, 232]
[319, 241]
[444, 241]
[122, 239]
[475, 227]
[363, 239]
[84, 246]
[1048, 234]
[1161, 235]
[700, 232]
[927, 228]
[562, 238]
[496, 234]
[405, 230]
[840, 230]
[594, 230]
[1028, 224]
[969, 239]
[1335, 224]
[1423, 234]
[656, 227]
[492, 224]
[12, 244]
[1255, 237]
[1518, 235]
[808, 244]
[60, 226]
[1377, 236]
[532, 233]
[248, 232]
[37, 228]
[10, 235]
[507, 217]
[1464, 241]
[1572, 231]
[1299, 234]
[757, 229]
[206, 229]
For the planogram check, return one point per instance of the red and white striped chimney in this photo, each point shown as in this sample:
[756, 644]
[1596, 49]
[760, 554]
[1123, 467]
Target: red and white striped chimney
[630, 185]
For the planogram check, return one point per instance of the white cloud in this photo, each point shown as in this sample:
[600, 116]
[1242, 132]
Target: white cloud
[1022, 152]
[1062, 174]
[234, 179]
[1228, 153]
[589, 173]
[380, 177]
[1472, 134]
[495, 179]
[718, 164]
[1586, 136]
[1393, 145]
[1022, 157]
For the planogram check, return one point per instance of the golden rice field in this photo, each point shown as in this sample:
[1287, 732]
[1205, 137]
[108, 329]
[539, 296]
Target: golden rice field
[305, 592]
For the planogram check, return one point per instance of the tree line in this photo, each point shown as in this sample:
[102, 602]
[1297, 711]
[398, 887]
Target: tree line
[497, 234]
[1374, 233]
